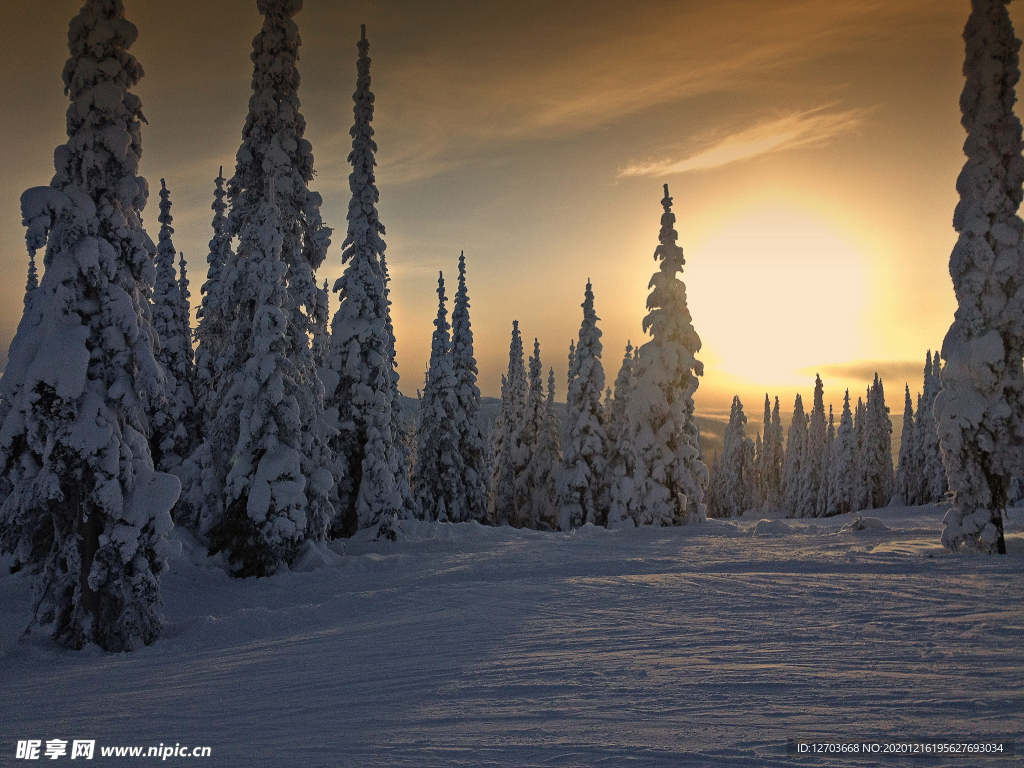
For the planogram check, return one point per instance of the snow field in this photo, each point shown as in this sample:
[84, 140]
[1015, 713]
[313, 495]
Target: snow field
[461, 645]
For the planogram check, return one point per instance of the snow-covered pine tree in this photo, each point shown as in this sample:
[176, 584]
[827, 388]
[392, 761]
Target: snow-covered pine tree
[669, 477]
[773, 463]
[843, 481]
[172, 419]
[572, 364]
[621, 462]
[265, 514]
[830, 440]
[736, 473]
[501, 509]
[924, 416]
[876, 453]
[860, 420]
[758, 460]
[814, 468]
[216, 308]
[526, 438]
[907, 470]
[361, 383]
[582, 482]
[438, 483]
[796, 457]
[274, 163]
[185, 321]
[933, 478]
[980, 410]
[472, 442]
[545, 464]
[80, 502]
[400, 456]
[321, 330]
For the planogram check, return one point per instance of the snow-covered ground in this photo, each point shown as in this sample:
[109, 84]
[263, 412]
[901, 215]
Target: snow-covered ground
[470, 646]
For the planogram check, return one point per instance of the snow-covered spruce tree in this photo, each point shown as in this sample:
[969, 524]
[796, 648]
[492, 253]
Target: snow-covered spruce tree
[80, 502]
[811, 502]
[438, 483]
[860, 420]
[669, 477]
[321, 331]
[980, 410]
[758, 460]
[933, 480]
[796, 458]
[217, 306]
[907, 470]
[501, 505]
[362, 389]
[582, 483]
[736, 475]
[274, 163]
[400, 456]
[472, 442]
[876, 453]
[773, 463]
[172, 419]
[545, 464]
[525, 439]
[185, 319]
[843, 480]
[572, 364]
[621, 462]
[264, 520]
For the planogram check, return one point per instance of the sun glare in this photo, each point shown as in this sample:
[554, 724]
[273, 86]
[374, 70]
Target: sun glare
[775, 290]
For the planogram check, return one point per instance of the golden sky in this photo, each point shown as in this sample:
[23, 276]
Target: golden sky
[811, 146]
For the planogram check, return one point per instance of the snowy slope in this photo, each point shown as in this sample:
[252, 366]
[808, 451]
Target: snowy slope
[461, 645]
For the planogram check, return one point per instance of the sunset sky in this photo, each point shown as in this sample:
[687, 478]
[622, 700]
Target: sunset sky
[811, 146]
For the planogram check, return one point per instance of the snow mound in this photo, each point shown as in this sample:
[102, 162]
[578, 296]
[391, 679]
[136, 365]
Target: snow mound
[771, 528]
[314, 556]
[864, 524]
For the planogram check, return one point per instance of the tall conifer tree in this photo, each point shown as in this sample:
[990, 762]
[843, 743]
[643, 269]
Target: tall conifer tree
[362, 383]
[811, 502]
[621, 460]
[274, 168]
[796, 459]
[907, 470]
[216, 308]
[502, 509]
[80, 502]
[472, 442]
[844, 482]
[582, 483]
[439, 481]
[669, 479]
[980, 410]
[526, 439]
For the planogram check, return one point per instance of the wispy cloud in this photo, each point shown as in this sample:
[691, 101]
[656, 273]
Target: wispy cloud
[799, 129]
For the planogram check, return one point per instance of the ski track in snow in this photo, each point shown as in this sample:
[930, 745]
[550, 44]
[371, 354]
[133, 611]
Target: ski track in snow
[469, 646]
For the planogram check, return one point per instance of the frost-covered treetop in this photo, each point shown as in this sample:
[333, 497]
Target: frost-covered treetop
[165, 218]
[272, 140]
[364, 227]
[282, 8]
[669, 319]
[101, 158]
